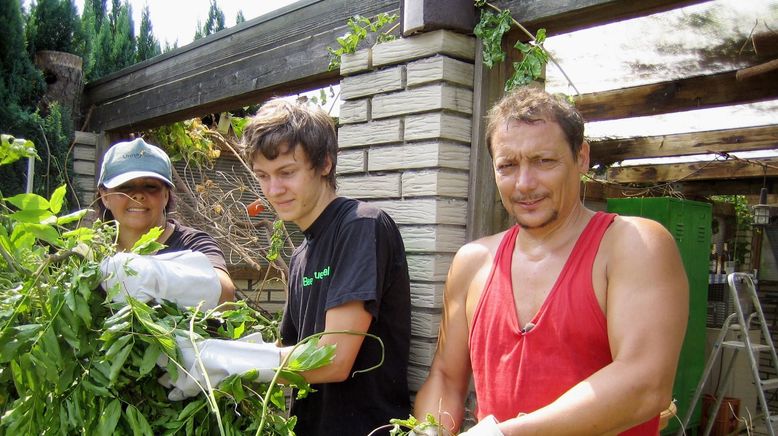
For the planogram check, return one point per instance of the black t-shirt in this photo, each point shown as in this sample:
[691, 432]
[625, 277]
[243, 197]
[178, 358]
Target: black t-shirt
[187, 238]
[352, 252]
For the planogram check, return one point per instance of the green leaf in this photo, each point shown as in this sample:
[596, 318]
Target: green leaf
[147, 243]
[116, 346]
[150, 356]
[14, 338]
[33, 216]
[41, 231]
[57, 199]
[109, 418]
[12, 149]
[160, 333]
[29, 201]
[118, 362]
[138, 423]
[309, 355]
[74, 216]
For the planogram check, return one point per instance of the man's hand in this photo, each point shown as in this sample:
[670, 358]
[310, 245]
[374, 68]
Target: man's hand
[184, 277]
[485, 427]
[220, 359]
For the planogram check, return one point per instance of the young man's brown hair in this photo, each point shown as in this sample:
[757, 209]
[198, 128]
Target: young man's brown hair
[280, 126]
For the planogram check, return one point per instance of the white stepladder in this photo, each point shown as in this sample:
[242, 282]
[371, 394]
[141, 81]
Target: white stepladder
[745, 300]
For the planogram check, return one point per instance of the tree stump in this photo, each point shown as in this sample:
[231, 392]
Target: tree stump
[63, 73]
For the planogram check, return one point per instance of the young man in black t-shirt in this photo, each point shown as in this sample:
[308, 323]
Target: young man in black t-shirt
[350, 273]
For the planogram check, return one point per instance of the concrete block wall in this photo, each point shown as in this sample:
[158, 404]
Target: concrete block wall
[404, 139]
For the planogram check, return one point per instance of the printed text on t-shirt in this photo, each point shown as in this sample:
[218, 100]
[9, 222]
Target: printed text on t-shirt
[308, 281]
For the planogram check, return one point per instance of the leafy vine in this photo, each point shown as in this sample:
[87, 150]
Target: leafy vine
[359, 29]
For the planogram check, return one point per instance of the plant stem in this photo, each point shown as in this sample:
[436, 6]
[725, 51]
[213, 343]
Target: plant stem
[286, 358]
[209, 391]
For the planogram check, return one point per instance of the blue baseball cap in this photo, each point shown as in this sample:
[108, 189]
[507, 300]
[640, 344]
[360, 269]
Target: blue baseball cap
[129, 160]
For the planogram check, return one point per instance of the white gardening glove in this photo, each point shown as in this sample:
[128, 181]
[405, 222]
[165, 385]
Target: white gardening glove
[184, 277]
[485, 427]
[221, 359]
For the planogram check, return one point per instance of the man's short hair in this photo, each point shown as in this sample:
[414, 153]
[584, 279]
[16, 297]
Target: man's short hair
[281, 125]
[530, 104]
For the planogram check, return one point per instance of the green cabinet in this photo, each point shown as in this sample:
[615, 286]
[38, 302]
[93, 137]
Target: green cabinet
[690, 224]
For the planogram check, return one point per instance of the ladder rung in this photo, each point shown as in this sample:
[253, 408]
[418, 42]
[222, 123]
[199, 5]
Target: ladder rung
[740, 345]
[768, 384]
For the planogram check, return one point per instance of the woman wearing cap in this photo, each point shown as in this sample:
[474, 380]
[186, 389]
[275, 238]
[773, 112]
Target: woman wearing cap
[135, 190]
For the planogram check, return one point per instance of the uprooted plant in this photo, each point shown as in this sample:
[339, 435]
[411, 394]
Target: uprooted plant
[73, 362]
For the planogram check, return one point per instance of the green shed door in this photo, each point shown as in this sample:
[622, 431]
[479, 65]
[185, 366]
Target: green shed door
[690, 224]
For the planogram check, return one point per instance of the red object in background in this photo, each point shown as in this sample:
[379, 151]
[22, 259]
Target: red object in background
[255, 208]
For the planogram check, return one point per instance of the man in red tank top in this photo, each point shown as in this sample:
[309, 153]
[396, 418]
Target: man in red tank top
[570, 322]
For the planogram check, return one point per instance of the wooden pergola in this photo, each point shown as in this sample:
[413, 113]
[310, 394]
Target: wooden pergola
[284, 52]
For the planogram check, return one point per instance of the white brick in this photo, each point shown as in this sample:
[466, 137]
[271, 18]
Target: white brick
[352, 63]
[429, 295]
[438, 96]
[374, 132]
[440, 68]
[422, 351]
[424, 45]
[354, 111]
[442, 239]
[426, 211]
[351, 161]
[417, 375]
[385, 186]
[435, 182]
[419, 155]
[387, 80]
[429, 267]
[438, 126]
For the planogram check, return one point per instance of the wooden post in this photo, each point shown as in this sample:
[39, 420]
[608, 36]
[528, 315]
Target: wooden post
[426, 15]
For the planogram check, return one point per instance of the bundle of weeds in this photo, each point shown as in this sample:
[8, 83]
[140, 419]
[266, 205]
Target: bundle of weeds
[74, 362]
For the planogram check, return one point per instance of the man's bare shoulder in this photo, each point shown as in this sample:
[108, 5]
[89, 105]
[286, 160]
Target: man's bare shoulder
[480, 249]
[475, 255]
[629, 235]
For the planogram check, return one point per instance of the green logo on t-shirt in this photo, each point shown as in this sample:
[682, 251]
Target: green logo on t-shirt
[308, 281]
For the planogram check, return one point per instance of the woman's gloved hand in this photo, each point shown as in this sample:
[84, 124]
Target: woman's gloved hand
[184, 277]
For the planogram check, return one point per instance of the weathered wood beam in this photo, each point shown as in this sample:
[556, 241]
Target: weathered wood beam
[562, 16]
[682, 172]
[698, 92]
[748, 187]
[607, 151]
[281, 51]
[765, 44]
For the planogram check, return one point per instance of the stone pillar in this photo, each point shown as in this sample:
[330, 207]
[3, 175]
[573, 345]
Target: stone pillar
[404, 139]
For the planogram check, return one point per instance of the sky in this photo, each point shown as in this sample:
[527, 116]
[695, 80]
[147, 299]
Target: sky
[176, 20]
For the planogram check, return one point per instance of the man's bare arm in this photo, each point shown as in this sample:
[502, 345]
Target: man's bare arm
[445, 390]
[646, 308]
[351, 316]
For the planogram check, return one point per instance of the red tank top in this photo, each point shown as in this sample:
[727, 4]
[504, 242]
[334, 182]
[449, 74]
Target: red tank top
[519, 372]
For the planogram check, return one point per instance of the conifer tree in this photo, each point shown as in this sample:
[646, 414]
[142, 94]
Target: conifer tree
[239, 18]
[53, 25]
[21, 84]
[148, 46]
[213, 24]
